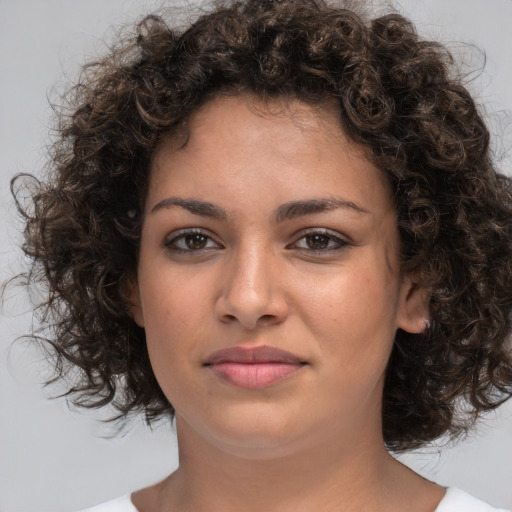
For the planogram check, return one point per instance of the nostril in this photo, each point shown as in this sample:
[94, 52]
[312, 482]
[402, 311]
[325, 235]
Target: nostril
[262, 320]
[251, 308]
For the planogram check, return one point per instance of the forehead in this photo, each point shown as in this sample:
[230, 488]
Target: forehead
[320, 121]
[282, 142]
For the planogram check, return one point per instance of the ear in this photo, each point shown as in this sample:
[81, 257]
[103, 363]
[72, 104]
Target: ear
[413, 311]
[133, 302]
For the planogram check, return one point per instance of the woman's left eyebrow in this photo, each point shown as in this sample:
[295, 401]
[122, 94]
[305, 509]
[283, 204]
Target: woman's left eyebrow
[295, 209]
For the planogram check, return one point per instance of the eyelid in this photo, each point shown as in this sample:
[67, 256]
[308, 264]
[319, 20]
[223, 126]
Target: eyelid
[181, 233]
[341, 240]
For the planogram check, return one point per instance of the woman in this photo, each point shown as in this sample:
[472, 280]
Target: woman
[282, 227]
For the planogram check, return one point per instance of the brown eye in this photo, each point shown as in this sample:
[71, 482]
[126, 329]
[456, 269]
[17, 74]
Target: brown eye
[190, 242]
[196, 241]
[317, 241]
[320, 241]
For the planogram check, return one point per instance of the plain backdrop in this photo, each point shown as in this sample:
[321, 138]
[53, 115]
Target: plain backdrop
[54, 459]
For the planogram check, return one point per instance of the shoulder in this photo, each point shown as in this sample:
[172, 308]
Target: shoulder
[122, 504]
[456, 500]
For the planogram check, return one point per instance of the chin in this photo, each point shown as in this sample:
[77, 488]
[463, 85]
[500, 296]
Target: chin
[259, 432]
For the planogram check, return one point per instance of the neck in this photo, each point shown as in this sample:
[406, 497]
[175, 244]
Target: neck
[328, 476]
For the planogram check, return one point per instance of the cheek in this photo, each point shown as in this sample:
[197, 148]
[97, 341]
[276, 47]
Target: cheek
[353, 313]
[172, 298]
[176, 320]
[168, 310]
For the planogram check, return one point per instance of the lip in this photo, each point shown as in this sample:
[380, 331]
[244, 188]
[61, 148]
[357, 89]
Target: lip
[255, 367]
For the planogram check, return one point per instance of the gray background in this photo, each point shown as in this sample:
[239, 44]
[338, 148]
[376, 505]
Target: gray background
[53, 459]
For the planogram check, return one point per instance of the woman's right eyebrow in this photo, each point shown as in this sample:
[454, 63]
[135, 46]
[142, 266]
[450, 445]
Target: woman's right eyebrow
[195, 206]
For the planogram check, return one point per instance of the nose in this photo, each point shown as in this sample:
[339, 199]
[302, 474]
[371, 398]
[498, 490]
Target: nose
[253, 293]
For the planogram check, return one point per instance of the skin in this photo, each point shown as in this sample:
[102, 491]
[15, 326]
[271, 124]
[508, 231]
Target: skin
[324, 285]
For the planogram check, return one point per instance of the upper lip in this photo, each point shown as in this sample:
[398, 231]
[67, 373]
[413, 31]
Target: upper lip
[248, 355]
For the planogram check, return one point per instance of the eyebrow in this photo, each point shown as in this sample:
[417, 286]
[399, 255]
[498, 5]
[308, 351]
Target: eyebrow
[202, 208]
[296, 209]
[286, 211]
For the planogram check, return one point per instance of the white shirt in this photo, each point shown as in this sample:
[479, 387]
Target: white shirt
[454, 500]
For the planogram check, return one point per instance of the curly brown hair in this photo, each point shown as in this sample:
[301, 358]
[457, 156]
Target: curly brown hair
[398, 97]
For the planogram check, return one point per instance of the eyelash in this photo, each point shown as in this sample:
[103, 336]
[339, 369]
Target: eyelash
[171, 244]
[337, 243]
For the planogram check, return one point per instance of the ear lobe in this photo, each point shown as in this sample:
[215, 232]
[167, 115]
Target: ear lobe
[133, 302]
[413, 314]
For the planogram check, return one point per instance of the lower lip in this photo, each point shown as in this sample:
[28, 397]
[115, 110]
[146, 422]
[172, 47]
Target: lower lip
[254, 375]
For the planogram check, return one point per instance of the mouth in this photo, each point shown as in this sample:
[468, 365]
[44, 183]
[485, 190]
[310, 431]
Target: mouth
[253, 368]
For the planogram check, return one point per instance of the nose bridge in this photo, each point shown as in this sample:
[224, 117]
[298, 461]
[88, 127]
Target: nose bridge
[252, 291]
[249, 285]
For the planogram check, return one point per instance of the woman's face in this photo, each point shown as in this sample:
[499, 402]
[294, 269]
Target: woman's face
[269, 281]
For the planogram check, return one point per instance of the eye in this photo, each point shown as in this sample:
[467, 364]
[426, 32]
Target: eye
[190, 241]
[319, 241]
